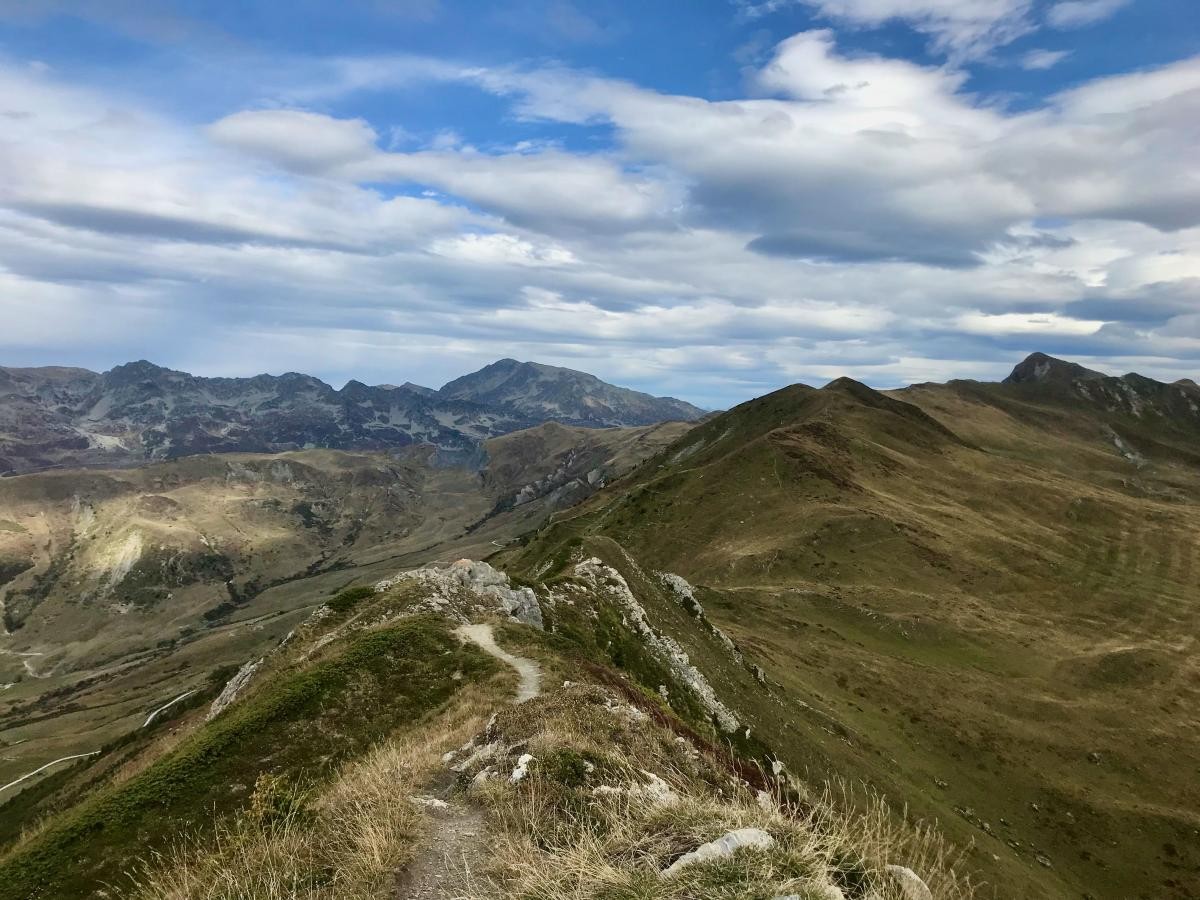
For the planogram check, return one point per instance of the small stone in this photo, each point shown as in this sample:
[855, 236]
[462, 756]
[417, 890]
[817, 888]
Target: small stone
[1044, 861]
[522, 768]
[429, 802]
[722, 847]
[1094, 758]
[912, 887]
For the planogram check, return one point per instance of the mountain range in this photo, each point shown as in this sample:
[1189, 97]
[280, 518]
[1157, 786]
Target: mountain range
[57, 416]
[976, 599]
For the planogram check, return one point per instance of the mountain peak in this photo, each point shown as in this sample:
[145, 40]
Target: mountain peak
[541, 391]
[138, 368]
[1040, 368]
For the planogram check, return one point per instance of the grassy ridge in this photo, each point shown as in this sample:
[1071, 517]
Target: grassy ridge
[300, 721]
[941, 613]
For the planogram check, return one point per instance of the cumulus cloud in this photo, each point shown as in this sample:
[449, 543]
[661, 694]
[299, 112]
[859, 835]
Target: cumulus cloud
[854, 214]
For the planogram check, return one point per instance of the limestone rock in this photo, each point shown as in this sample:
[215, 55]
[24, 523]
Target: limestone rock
[724, 846]
[910, 883]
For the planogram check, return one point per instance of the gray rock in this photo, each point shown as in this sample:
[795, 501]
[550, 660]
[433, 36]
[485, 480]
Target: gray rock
[911, 886]
[724, 846]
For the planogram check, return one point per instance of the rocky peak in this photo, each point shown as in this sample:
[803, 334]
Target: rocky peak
[413, 388]
[1040, 368]
[1176, 406]
[555, 393]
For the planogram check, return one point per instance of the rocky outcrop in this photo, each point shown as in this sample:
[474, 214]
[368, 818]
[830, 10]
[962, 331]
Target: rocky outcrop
[607, 581]
[724, 846]
[469, 588]
[232, 688]
[909, 884]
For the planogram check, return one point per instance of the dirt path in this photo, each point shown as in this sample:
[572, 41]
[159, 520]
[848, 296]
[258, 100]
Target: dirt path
[452, 863]
[531, 673]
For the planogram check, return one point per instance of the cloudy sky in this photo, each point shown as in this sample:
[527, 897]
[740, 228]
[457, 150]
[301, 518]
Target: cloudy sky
[708, 199]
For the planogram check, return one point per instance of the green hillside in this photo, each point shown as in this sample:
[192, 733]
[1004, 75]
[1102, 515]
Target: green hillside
[953, 589]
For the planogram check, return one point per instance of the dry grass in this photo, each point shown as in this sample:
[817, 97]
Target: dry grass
[610, 800]
[591, 819]
[346, 840]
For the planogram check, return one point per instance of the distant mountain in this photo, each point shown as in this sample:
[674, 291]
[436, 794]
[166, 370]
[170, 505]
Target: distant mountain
[1131, 401]
[548, 392]
[139, 411]
[1040, 368]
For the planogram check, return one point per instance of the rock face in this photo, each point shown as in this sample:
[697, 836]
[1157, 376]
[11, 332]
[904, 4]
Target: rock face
[547, 392]
[52, 417]
[1132, 395]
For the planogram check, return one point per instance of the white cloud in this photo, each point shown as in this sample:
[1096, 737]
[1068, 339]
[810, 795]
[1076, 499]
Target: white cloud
[550, 189]
[1079, 13]
[1025, 323]
[295, 138]
[867, 216]
[501, 249]
[1039, 60]
[962, 29]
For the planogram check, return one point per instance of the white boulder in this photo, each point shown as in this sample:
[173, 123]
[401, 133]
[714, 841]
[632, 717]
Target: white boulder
[724, 846]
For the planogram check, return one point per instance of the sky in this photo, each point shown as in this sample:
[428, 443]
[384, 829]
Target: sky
[707, 199]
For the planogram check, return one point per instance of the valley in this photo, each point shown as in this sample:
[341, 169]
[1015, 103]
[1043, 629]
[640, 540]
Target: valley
[127, 587]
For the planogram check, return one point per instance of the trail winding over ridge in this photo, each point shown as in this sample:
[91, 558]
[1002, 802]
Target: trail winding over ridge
[530, 684]
[456, 854]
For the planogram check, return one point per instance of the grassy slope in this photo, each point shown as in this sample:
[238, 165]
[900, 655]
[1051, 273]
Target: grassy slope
[971, 610]
[97, 672]
[302, 719]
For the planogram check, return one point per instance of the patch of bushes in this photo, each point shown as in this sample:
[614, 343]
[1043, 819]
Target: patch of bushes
[345, 600]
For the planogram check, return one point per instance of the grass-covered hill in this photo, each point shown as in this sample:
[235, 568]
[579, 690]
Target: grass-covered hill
[376, 752]
[979, 598]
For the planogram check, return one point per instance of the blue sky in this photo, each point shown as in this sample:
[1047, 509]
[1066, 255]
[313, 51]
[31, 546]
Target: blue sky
[707, 199]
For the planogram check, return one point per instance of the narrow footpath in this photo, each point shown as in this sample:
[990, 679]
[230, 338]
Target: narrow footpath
[454, 856]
